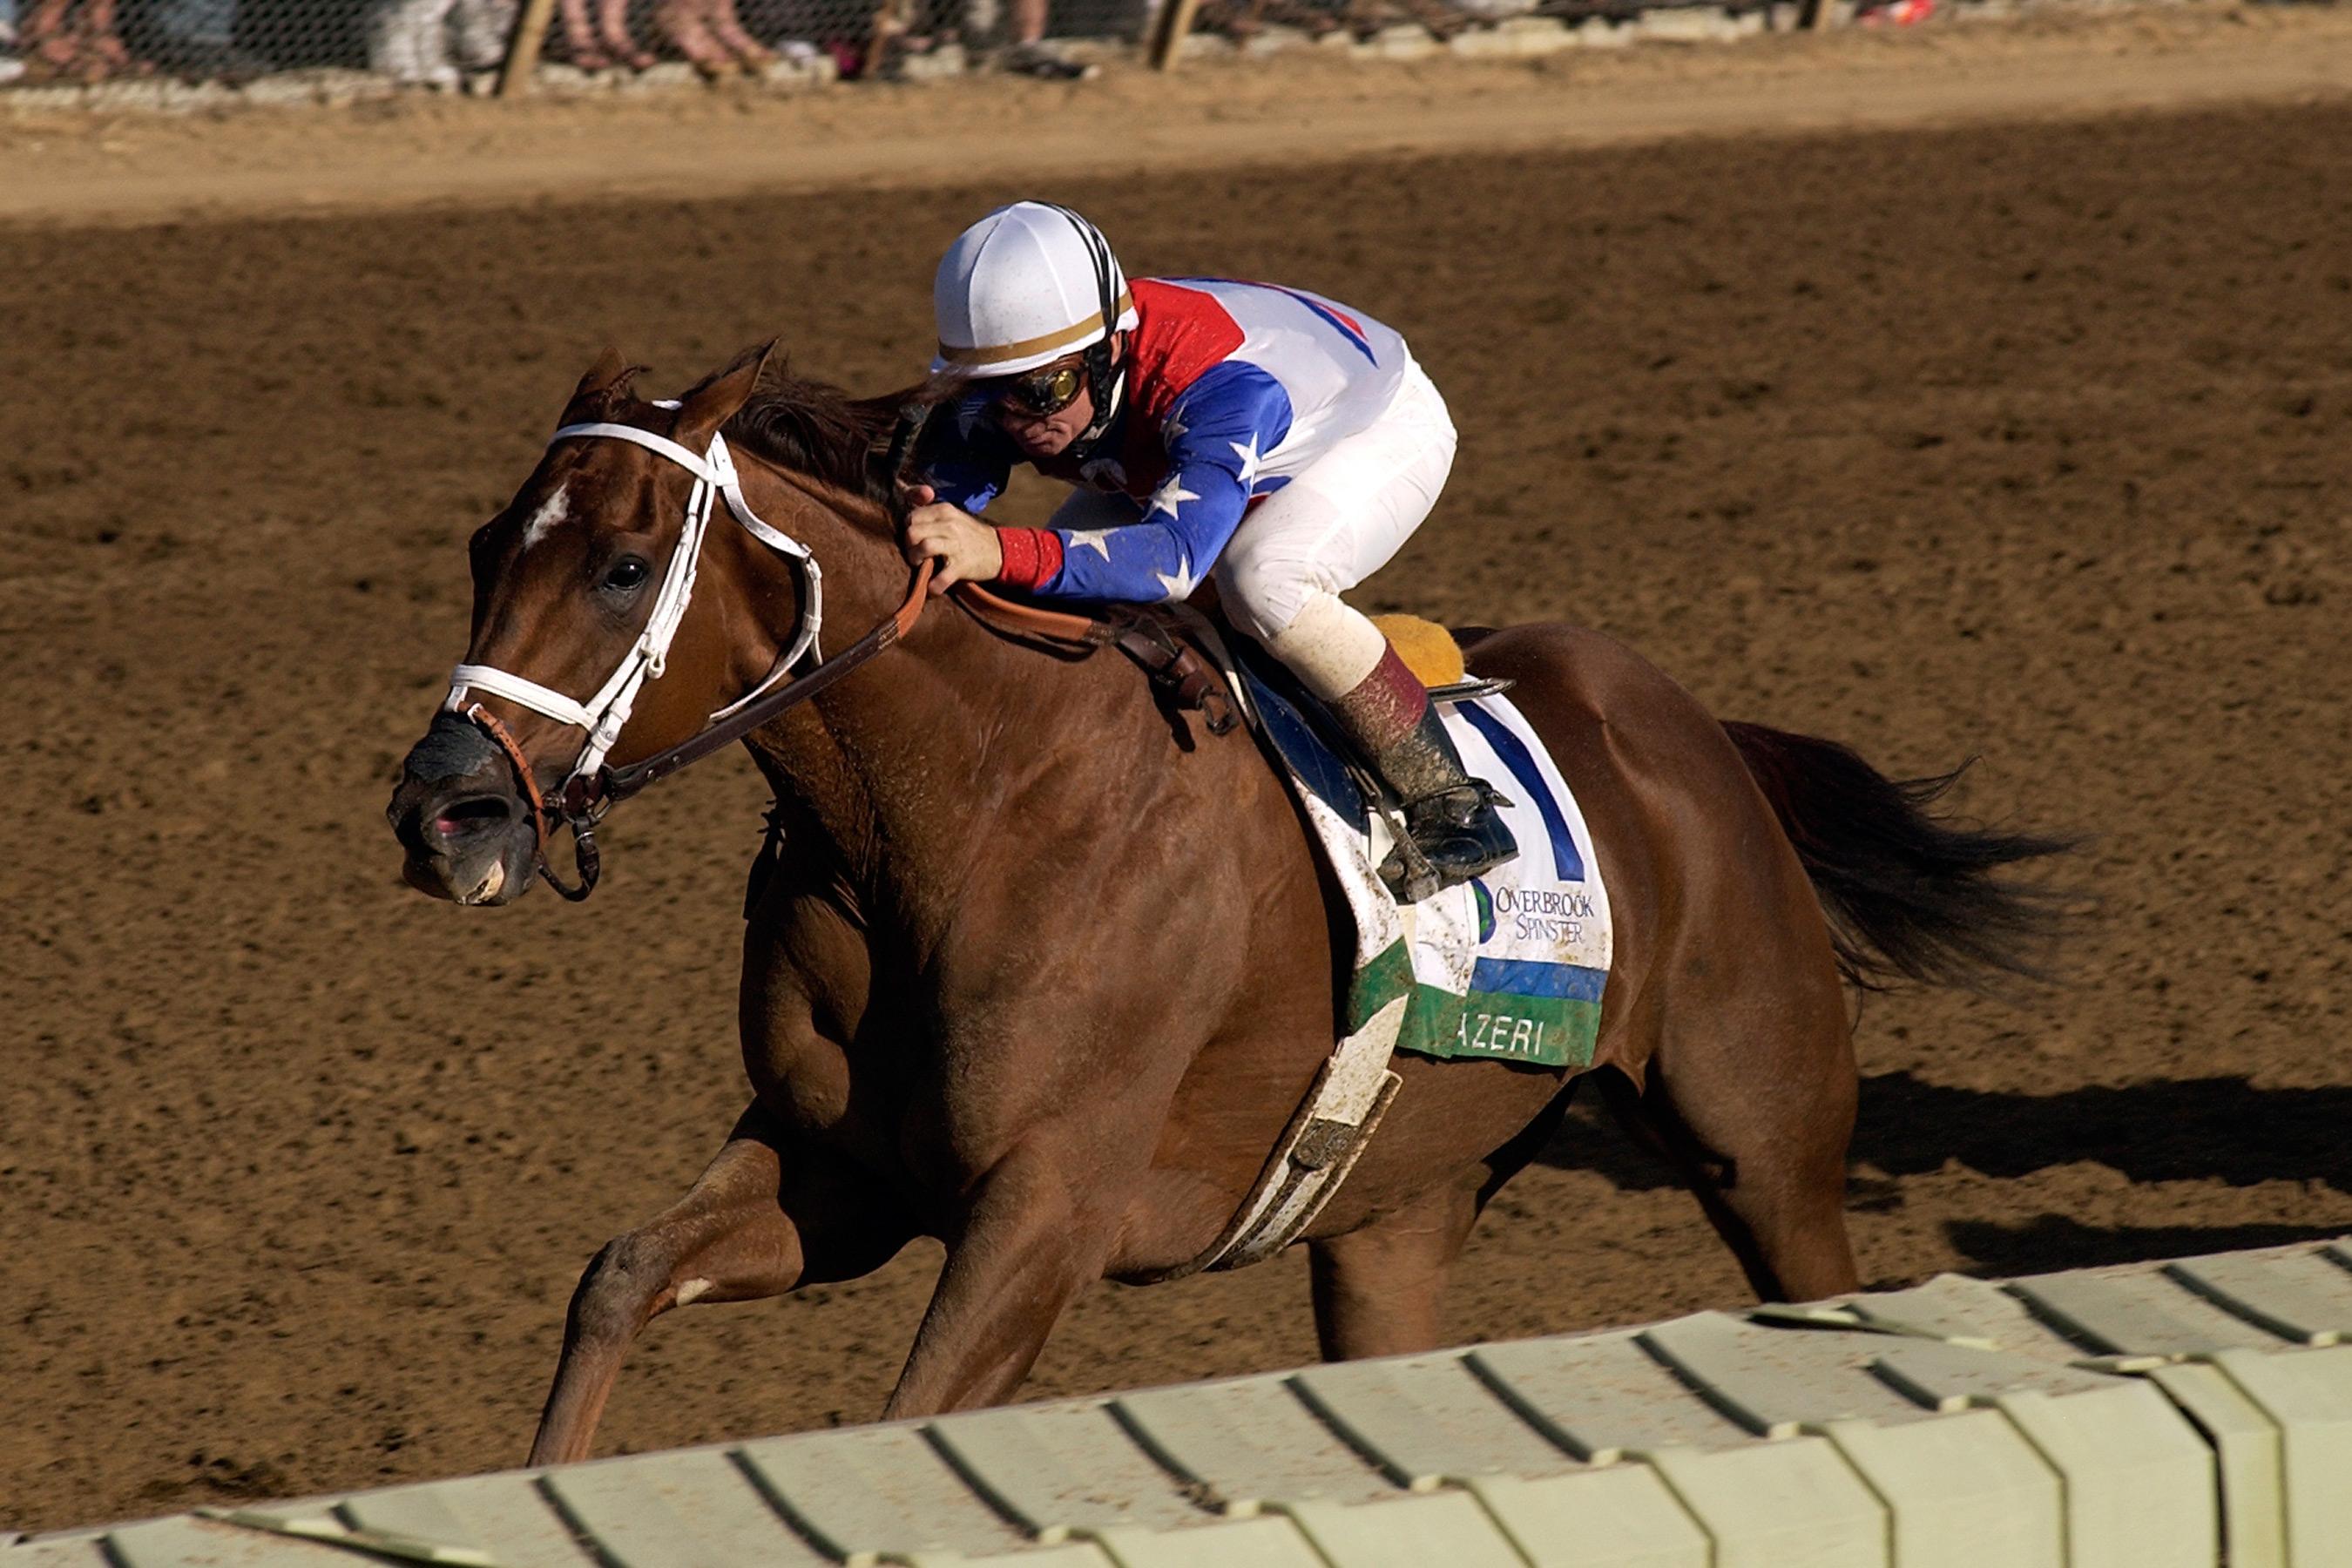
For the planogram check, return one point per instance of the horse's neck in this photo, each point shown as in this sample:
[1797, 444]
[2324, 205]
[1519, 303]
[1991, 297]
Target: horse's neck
[892, 771]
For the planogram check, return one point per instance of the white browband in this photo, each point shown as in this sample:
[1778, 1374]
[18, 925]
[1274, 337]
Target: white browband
[604, 715]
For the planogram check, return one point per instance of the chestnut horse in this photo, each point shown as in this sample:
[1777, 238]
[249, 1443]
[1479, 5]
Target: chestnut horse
[1041, 970]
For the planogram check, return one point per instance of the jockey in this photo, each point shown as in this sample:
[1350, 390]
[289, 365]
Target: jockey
[1269, 439]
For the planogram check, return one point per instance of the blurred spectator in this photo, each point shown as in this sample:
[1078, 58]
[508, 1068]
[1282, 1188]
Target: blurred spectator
[11, 67]
[1026, 53]
[903, 28]
[895, 33]
[193, 38]
[609, 44]
[712, 38]
[409, 40]
[707, 33]
[58, 39]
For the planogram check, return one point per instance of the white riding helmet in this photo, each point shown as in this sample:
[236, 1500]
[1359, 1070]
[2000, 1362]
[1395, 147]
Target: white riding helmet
[1024, 286]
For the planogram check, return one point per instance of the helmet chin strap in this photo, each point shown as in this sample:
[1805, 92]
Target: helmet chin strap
[1107, 382]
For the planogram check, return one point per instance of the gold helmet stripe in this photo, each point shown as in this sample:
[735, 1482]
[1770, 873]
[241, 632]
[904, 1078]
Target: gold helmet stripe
[997, 353]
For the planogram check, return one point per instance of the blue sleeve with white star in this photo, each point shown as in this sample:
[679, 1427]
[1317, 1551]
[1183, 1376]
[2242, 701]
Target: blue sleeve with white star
[1217, 431]
[974, 463]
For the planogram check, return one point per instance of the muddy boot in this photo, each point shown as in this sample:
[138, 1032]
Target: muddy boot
[1454, 819]
[1455, 829]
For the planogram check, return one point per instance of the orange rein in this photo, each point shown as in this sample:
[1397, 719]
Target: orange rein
[1018, 620]
[541, 812]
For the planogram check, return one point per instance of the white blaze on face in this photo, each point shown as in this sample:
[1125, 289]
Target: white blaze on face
[552, 510]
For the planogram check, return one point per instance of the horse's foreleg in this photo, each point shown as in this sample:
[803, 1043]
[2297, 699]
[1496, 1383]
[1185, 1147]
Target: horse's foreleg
[748, 1228]
[1036, 1234]
[725, 1239]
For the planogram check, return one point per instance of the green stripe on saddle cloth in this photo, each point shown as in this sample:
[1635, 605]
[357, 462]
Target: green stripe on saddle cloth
[1505, 1025]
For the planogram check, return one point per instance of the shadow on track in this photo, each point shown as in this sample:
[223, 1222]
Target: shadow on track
[2194, 1130]
[2051, 1242]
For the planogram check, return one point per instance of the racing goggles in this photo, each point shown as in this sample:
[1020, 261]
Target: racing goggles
[1045, 391]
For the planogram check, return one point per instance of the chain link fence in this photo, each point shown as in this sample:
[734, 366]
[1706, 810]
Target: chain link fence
[190, 53]
[460, 45]
[450, 43]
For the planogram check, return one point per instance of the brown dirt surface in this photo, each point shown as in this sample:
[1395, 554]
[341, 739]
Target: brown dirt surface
[2026, 441]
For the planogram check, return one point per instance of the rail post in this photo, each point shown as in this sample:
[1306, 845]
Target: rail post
[1167, 32]
[523, 49]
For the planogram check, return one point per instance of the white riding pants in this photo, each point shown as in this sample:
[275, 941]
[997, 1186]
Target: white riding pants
[1338, 520]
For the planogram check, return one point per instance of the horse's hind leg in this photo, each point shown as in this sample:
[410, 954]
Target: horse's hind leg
[756, 1222]
[1758, 1119]
[1379, 1288]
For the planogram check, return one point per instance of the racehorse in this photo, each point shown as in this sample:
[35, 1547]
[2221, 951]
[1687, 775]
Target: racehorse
[1038, 967]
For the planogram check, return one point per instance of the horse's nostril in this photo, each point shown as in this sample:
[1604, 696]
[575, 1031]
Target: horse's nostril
[473, 815]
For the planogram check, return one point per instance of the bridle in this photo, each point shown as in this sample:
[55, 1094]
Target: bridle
[592, 788]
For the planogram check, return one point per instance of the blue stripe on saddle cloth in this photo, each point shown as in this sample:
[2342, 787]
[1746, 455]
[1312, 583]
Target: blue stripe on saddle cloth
[1528, 977]
[1565, 863]
[1511, 965]
[1312, 758]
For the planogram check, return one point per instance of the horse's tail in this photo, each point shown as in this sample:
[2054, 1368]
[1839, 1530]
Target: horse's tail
[1908, 895]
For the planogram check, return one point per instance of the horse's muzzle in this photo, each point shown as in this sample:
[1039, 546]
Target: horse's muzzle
[467, 833]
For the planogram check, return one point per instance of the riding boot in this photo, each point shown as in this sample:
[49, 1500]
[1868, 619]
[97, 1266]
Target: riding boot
[1455, 829]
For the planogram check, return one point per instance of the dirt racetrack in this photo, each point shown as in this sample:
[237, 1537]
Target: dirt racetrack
[2031, 441]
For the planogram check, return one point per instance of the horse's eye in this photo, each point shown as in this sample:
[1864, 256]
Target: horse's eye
[625, 573]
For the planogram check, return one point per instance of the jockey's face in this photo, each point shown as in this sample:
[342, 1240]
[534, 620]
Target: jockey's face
[1045, 435]
[1041, 435]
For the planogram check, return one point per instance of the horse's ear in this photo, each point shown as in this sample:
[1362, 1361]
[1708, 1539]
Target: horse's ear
[715, 402]
[609, 375]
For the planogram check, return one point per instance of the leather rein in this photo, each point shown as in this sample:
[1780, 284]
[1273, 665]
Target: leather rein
[593, 788]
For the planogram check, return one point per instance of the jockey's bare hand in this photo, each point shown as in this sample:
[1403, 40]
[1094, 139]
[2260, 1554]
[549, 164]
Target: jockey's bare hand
[966, 548]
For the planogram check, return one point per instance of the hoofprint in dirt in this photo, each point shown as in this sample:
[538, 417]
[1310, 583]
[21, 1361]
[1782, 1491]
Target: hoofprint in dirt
[2029, 442]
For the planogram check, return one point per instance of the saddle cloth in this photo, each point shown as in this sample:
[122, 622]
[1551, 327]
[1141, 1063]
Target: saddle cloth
[1511, 964]
[1508, 966]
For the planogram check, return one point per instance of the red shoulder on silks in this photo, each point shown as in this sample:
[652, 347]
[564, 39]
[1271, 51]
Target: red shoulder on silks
[1180, 335]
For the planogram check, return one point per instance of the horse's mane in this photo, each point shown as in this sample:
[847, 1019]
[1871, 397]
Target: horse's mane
[810, 427]
[815, 429]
